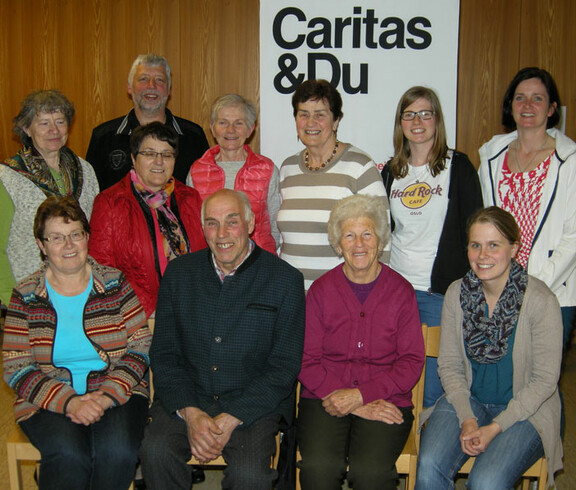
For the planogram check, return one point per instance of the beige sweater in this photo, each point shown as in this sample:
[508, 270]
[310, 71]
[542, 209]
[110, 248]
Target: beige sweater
[536, 361]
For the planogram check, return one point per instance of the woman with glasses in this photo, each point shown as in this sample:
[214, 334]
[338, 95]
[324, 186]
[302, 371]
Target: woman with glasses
[148, 218]
[75, 353]
[531, 173]
[432, 191]
[43, 167]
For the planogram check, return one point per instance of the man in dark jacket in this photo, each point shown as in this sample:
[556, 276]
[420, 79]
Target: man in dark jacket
[226, 353]
[149, 84]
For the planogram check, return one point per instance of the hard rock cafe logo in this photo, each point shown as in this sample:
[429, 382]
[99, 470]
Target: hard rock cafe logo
[416, 195]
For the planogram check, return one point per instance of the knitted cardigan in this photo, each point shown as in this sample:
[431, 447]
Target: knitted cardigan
[115, 323]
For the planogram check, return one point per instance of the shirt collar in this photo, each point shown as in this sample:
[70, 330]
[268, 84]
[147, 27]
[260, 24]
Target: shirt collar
[221, 274]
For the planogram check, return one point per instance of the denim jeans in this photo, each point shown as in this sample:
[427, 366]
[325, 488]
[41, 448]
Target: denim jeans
[507, 457]
[100, 456]
[430, 309]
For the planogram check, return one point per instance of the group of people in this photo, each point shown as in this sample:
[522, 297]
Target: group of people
[258, 277]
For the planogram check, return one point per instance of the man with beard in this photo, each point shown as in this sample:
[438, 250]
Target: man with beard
[149, 85]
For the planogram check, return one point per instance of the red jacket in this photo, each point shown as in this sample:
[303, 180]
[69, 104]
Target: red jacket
[253, 178]
[120, 237]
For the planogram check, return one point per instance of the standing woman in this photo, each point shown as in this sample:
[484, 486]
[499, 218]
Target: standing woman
[148, 218]
[433, 191]
[531, 173]
[43, 167]
[316, 178]
[500, 354]
[232, 164]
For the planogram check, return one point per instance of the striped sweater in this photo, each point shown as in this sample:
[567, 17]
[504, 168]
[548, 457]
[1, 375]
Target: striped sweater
[115, 323]
[307, 199]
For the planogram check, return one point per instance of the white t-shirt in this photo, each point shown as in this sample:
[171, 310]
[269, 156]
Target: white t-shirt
[418, 205]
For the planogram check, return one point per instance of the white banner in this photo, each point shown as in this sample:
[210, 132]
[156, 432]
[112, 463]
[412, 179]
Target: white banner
[372, 51]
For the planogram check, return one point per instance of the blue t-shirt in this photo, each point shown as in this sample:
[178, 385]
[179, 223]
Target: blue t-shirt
[72, 348]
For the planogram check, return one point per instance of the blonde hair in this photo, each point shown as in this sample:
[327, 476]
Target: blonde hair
[399, 162]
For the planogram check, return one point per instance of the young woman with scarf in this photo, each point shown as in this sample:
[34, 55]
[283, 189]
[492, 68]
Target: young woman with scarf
[500, 354]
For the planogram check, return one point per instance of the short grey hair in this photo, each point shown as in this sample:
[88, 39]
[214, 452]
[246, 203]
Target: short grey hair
[150, 59]
[233, 100]
[243, 199]
[40, 101]
[359, 206]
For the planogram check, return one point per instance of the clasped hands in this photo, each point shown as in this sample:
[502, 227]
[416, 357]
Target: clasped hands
[207, 435]
[340, 403]
[475, 440]
[88, 408]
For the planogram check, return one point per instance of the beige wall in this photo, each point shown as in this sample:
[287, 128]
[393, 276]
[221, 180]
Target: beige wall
[85, 48]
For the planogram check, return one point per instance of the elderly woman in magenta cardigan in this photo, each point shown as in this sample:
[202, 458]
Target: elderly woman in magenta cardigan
[363, 354]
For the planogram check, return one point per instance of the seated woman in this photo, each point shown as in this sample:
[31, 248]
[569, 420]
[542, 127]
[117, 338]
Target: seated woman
[231, 164]
[148, 218]
[499, 363]
[363, 353]
[75, 352]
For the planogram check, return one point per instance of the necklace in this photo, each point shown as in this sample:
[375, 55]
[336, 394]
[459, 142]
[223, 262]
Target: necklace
[330, 158]
[527, 166]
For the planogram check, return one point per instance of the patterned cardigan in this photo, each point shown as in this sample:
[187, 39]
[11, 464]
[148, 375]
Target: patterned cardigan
[115, 323]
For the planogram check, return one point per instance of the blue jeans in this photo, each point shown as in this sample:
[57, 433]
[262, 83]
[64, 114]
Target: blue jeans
[100, 456]
[430, 309]
[507, 457]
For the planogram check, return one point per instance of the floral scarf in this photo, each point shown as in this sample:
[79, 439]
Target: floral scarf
[486, 339]
[31, 165]
[174, 241]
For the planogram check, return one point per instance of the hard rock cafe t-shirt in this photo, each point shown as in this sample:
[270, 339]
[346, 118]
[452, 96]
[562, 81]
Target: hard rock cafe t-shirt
[418, 205]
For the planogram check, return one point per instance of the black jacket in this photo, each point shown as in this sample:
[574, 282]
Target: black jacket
[109, 149]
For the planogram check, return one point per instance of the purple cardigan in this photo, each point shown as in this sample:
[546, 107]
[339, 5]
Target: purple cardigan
[376, 347]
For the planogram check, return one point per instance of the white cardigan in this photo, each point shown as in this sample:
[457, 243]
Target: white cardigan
[553, 255]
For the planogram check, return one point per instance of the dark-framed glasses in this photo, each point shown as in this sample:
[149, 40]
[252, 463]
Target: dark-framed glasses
[423, 115]
[60, 239]
[153, 155]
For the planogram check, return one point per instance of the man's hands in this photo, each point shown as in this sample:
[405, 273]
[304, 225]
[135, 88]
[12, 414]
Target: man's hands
[207, 436]
[475, 440]
[89, 408]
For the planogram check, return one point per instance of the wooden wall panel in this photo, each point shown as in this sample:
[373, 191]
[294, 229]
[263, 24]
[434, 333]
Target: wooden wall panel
[548, 40]
[85, 48]
[220, 46]
[487, 61]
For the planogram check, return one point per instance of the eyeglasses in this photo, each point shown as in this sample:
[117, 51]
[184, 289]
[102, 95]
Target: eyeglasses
[153, 155]
[423, 115]
[60, 239]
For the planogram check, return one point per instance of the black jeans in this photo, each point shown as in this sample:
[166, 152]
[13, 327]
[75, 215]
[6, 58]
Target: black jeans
[329, 445]
[101, 456]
